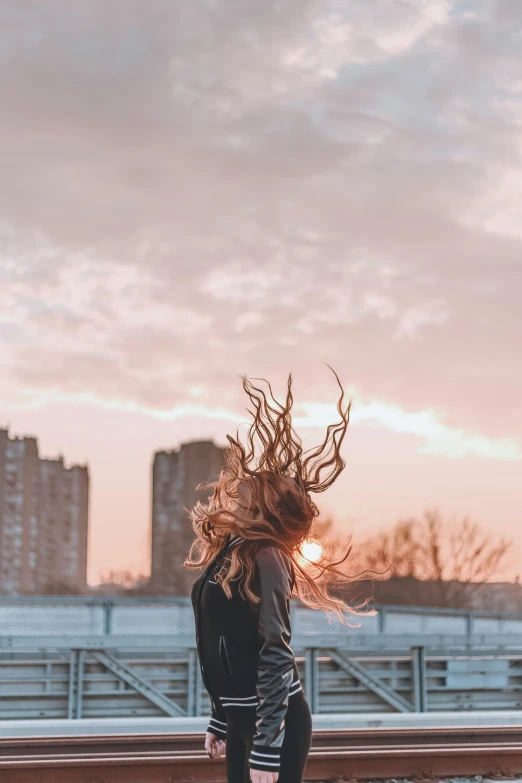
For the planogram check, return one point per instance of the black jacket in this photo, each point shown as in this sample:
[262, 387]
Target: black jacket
[244, 648]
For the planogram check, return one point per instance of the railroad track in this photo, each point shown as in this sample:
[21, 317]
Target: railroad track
[179, 758]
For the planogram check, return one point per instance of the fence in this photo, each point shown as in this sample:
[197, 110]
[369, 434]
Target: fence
[49, 616]
[76, 657]
[124, 677]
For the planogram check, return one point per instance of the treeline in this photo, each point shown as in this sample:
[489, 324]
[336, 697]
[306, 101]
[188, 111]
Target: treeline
[421, 562]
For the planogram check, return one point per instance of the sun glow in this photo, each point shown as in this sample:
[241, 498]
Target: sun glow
[311, 550]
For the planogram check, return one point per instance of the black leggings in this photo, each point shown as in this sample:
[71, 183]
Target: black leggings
[294, 750]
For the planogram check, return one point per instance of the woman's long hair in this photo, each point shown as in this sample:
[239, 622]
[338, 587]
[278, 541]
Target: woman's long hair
[279, 505]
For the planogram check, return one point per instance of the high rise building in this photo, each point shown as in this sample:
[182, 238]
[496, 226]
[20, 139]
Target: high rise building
[175, 476]
[19, 491]
[64, 502]
[43, 520]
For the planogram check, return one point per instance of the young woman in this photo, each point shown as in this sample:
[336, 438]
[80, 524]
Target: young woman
[248, 535]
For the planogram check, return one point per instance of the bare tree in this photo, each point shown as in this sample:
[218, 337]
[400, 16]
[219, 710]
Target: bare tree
[393, 552]
[124, 582]
[457, 556]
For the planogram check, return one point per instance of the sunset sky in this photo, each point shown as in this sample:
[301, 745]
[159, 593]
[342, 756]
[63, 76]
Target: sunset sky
[194, 190]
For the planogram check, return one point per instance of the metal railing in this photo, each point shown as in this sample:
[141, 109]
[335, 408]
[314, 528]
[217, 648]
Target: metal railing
[73, 657]
[120, 677]
[78, 615]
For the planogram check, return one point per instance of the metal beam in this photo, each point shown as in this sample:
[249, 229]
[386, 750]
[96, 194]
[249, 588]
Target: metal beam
[139, 684]
[420, 690]
[387, 642]
[108, 607]
[73, 684]
[191, 683]
[312, 679]
[371, 682]
[75, 698]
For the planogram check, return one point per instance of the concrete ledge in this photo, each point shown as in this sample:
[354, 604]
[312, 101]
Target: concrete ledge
[107, 726]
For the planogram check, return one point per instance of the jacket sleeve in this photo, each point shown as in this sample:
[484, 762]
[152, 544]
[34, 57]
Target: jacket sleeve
[218, 721]
[276, 658]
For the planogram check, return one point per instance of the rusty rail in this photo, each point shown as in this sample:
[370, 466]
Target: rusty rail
[179, 758]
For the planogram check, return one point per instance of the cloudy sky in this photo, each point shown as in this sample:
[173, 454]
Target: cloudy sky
[195, 190]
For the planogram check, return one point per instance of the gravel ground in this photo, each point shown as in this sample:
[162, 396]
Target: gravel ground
[474, 779]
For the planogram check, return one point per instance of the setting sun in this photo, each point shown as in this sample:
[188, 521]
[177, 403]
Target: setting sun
[311, 550]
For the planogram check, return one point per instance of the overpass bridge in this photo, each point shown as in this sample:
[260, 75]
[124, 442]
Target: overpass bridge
[82, 658]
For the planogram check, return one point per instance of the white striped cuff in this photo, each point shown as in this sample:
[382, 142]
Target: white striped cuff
[265, 758]
[217, 727]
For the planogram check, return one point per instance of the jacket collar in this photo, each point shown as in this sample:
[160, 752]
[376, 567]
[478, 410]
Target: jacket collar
[233, 540]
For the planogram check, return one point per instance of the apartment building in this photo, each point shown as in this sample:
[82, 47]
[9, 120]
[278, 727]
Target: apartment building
[44, 510]
[175, 476]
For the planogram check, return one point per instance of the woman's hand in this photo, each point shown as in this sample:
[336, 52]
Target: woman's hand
[260, 776]
[214, 746]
